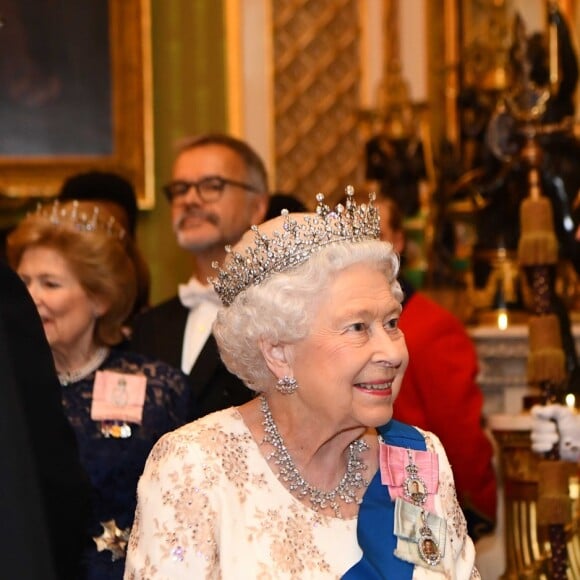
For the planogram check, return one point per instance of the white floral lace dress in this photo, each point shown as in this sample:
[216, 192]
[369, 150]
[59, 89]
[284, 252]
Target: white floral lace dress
[209, 506]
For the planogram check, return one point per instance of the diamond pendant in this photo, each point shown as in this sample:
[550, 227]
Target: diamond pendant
[414, 487]
[428, 548]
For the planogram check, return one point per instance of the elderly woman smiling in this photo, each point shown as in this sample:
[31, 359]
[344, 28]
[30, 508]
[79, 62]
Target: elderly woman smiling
[311, 479]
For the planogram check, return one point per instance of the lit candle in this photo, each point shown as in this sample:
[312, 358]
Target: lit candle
[502, 320]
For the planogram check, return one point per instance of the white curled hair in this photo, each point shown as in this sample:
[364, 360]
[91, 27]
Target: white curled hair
[280, 309]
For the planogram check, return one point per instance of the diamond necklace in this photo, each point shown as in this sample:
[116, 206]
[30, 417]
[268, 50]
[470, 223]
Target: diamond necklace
[96, 360]
[345, 491]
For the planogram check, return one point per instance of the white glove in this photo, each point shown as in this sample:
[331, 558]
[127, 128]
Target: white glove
[553, 423]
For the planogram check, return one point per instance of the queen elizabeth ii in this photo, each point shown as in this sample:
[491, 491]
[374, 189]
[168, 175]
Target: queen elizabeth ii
[312, 478]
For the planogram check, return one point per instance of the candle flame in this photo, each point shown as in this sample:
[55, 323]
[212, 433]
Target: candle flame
[502, 320]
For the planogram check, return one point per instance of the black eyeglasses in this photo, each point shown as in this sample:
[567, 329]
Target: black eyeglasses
[209, 188]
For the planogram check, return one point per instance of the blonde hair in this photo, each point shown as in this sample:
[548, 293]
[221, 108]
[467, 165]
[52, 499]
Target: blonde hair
[100, 260]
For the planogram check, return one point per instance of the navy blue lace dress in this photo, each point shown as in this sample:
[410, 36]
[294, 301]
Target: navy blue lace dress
[114, 459]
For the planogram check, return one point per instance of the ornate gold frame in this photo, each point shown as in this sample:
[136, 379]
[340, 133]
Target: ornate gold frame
[132, 155]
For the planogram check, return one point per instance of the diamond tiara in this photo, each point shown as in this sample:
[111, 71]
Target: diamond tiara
[74, 215]
[295, 243]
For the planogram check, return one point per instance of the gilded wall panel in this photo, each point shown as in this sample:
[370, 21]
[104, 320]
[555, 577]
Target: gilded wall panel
[316, 95]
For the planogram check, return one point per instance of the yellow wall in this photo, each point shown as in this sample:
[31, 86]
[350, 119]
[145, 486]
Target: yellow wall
[188, 45]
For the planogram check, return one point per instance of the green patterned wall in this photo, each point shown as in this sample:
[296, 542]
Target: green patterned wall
[188, 45]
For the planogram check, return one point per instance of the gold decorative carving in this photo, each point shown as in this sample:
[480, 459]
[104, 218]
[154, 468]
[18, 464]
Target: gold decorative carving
[316, 98]
[527, 543]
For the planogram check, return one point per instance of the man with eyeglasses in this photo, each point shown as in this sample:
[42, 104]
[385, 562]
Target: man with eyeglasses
[219, 188]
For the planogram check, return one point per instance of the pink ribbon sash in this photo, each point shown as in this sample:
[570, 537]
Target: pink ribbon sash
[393, 463]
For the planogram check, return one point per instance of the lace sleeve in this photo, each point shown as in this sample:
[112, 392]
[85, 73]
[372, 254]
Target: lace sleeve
[177, 393]
[460, 544]
[173, 536]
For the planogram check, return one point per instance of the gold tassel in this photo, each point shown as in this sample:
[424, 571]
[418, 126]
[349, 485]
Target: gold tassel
[554, 504]
[538, 243]
[547, 361]
[547, 364]
[544, 332]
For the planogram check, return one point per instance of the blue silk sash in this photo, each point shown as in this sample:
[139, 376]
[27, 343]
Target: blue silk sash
[376, 518]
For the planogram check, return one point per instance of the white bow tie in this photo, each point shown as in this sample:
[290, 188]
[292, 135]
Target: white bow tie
[194, 293]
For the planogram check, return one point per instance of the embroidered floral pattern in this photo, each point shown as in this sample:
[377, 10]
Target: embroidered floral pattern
[292, 543]
[212, 471]
[210, 507]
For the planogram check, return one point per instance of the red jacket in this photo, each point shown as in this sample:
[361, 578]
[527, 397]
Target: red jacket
[440, 394]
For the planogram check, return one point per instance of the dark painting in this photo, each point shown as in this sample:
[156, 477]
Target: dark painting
[55, 78]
